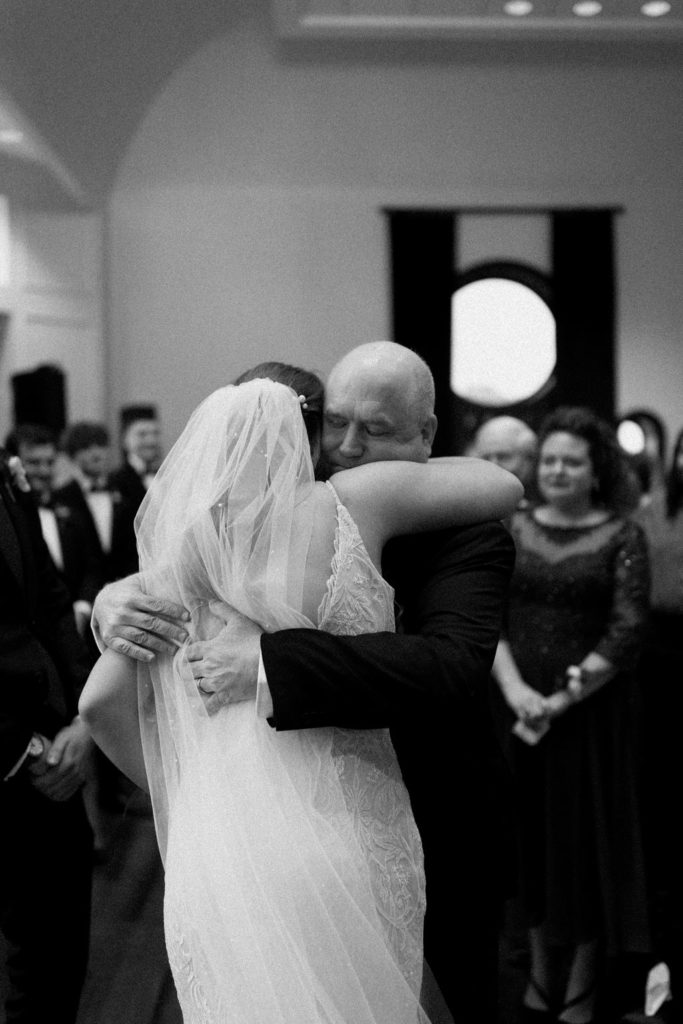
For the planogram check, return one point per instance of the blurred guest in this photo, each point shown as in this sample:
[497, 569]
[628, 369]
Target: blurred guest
[46, 851]
[64, 529]
[661, 673]
[108, 517]
[509, 443]
[141, 449]
[578, 607]
[105, 511]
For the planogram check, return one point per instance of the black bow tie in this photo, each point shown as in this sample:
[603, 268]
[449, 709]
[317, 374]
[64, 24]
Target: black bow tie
[98, 488]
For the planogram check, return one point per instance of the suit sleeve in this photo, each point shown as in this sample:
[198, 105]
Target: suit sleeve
[452, 624]
[55, 624]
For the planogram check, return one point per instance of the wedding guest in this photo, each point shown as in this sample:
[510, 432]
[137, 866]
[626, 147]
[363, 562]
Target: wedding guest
[577, 612]
[511, 443]
[46, 848]
[661, 671]
[141, 450]
[64, 529]
[104, 509]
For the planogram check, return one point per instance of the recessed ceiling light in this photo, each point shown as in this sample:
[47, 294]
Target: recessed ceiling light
[655, 8]
[518, 8]
[587, 8]
[11, 136]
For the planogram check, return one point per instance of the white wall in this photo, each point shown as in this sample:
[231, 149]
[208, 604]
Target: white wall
[51, 287]
[246, 219]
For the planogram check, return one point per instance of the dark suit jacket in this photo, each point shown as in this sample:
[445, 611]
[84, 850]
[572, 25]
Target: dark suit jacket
[121, 559]
[429, 684]
[129, 484]
[43, 663]
[82, 570]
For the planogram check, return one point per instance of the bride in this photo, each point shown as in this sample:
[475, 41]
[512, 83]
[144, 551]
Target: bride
[294, 889]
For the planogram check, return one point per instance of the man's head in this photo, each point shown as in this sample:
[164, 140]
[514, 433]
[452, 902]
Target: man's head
[379, 404]
[510, 443]
[36, 446]
[87, 445]
[140, 434]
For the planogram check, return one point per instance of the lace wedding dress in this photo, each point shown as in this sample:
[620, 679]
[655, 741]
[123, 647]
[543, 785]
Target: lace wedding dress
[294, 882]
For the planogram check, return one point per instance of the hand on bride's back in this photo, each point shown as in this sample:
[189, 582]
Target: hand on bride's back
[134, 623]
[225, 667]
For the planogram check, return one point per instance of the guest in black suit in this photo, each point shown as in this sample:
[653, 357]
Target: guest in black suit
[104, 510]
[141, 457]
[46, 848]
[64, 529]
[429, 683]
[108, 519]
[141, 450]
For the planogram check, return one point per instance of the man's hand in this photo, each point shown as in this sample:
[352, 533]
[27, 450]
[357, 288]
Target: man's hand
[225, 668]
[137, 624]
[64, 765]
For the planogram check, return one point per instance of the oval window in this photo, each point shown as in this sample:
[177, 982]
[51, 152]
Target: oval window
[503, 347]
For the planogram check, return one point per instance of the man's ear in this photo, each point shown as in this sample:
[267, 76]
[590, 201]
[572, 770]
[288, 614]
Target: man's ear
[428, 431]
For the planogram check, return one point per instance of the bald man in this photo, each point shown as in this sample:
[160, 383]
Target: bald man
[510, 443]
[428, 682]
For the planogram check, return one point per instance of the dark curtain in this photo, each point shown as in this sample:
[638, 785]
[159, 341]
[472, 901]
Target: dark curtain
[422, 252]
[584, 298]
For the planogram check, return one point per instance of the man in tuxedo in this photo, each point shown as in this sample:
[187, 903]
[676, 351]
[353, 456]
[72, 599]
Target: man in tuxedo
[428, 682]
[141, 449]
[64, 529]
[89, 495]
[46, 848]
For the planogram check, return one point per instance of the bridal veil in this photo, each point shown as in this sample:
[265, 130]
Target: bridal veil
[269, 911]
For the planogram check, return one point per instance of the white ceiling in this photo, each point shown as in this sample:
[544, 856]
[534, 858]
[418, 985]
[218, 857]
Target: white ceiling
[77, 75]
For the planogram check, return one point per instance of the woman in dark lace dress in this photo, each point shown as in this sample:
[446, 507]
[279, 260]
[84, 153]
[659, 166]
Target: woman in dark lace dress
[578, 605]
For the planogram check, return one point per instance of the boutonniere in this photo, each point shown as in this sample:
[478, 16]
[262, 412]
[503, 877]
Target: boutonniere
[115, 497]
[62, 511]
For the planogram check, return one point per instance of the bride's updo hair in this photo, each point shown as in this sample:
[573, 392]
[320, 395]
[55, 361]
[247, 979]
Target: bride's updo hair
[304, 383]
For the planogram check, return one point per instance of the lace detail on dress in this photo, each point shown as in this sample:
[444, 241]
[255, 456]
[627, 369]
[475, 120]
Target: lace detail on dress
[318, 915]
[183, 958]
[359, 600]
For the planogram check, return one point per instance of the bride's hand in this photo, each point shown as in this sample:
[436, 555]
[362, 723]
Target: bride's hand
[225, 667]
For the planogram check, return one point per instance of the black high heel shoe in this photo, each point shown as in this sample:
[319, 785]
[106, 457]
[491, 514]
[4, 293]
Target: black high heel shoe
[535, 1015]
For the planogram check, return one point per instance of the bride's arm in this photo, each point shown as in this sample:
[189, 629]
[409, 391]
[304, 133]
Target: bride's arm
[109, 707]
[410, 497]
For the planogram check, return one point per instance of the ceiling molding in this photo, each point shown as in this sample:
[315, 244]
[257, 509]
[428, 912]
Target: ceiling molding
[481, 20]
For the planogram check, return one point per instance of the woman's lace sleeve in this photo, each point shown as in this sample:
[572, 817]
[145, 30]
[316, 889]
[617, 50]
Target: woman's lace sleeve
[631, 598]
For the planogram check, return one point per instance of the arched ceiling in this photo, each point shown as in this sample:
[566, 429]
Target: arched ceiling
[77, 75]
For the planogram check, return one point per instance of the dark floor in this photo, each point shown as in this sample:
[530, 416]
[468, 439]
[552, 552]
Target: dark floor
[129, 981]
